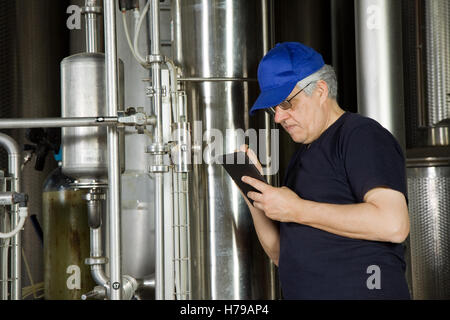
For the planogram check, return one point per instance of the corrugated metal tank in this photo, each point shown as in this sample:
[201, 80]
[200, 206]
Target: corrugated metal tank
[429, 204]
[427, 88]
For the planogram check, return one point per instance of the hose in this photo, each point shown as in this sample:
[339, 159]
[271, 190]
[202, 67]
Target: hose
[136, 33]
[127, 34]
[23, 213]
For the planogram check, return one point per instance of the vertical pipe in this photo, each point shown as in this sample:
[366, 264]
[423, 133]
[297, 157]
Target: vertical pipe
[379, 63]
[13, 150]
[268, 120]
[97, 272]
[159, 237]
[91, 28]
[159, 177]
[115, 264]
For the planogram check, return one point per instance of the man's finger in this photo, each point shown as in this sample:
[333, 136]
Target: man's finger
[256, 196]
[254, 159]
[243, 148]
[255, 183]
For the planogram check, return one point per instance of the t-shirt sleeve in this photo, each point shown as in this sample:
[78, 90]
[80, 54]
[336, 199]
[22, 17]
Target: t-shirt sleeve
[373, 158]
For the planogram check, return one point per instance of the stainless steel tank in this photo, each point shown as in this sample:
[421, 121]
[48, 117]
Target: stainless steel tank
[84, 149]
[216, 39]
[429, 206]
[379, 63]
[427, 72]
[437, 32]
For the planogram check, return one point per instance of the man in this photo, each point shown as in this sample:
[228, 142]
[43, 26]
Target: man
[336, 227]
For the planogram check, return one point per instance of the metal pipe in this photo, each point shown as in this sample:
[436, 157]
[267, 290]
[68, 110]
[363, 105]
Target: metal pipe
[97, 272]
[4, 266]
[379, 63]
[58, 122]
[268, 122]
[91, 27]
[159, 236]
[215, 79]
[113, 151]
[159, 177]
[183, 225]
[177, 113]
[11, 146]
[154, 17]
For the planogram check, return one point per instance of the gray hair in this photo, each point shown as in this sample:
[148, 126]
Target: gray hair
[327, 74]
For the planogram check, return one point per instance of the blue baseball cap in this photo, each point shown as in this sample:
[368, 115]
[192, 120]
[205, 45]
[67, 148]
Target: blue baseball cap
[281, 69]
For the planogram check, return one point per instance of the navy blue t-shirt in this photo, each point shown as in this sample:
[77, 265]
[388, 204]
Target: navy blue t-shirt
[354, 155]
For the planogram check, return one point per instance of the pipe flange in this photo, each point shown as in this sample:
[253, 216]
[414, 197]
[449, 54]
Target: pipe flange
[158, 169]
[154, 58]
[89, 184]
[96, 10]
[95, 196]
[95, 261]
[158, 149]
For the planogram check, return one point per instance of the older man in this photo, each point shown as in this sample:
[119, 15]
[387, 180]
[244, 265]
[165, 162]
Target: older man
[337, 225]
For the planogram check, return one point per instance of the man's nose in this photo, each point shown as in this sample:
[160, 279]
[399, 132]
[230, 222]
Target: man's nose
[280, 115]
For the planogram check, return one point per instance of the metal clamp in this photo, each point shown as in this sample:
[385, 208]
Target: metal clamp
[93, 9]
[158, 168]
[154, 58]
[158, 149]
[95, 261]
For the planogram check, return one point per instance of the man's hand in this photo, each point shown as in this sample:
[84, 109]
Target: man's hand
[278, 204]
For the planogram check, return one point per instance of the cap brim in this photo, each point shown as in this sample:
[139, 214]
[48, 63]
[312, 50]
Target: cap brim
[272, 97]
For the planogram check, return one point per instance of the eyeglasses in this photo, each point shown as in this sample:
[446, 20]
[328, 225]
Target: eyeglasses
[286, 104]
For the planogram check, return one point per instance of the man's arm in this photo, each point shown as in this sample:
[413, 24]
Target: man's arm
[383, 216]
[267, 231]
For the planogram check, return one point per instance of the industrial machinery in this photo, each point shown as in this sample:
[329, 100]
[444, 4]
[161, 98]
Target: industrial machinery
[138, 208]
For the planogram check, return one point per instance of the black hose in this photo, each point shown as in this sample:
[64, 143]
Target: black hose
[37, 228]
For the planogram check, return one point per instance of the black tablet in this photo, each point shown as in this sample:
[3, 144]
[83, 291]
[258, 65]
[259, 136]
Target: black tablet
[237, 165]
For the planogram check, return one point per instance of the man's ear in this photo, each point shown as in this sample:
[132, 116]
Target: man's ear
[322, 90]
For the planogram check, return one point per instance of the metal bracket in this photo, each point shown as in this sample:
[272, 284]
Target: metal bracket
[150, 91]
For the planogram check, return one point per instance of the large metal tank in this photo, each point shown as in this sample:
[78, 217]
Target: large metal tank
[84, 149]
[427, 86]
[379, 63]
[427, 73]
[66, 239]
[216, 39]
[429, 205]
